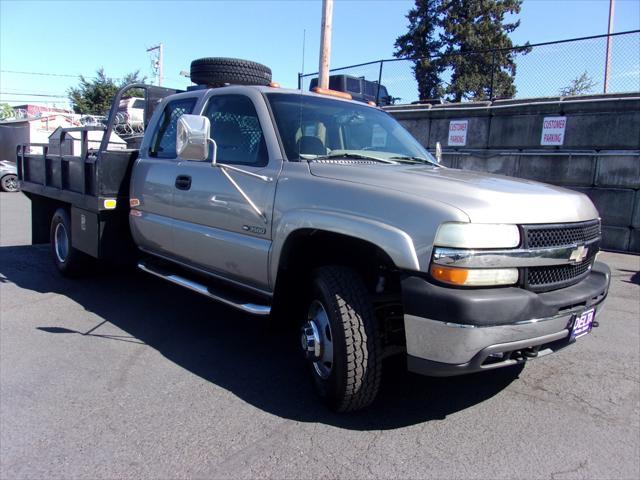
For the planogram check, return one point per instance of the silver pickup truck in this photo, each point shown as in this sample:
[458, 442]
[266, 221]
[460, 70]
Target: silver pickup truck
[326, 214]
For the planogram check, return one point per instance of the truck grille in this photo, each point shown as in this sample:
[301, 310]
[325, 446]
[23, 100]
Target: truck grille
[559, 276]
[540, 236]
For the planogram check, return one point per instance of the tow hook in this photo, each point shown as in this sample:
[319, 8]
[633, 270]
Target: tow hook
[531, 352]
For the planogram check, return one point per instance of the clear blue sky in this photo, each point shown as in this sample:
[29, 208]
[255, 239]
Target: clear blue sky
[77, 37]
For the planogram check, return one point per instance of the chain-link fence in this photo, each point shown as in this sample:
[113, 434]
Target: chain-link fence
[568, 67]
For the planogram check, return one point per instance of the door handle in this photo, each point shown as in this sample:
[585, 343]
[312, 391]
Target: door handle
[183, 182]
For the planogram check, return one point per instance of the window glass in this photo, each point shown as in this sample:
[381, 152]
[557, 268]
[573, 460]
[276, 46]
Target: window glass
[236, 130]
[138, 103]
[164, 140]
[371, 88]
[311, 127]
[353, 85]
[334, 83]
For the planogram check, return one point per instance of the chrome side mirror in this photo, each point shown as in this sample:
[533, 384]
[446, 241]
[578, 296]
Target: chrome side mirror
[438, 152]
[192, 137]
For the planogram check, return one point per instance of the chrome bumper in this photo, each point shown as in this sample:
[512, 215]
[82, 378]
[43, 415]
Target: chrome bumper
[470, 342]
[444, 349]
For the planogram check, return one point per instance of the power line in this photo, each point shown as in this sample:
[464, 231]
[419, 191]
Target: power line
[32, 94]
[41, 73]
[48, 74]
[29, 100]
[28, 90]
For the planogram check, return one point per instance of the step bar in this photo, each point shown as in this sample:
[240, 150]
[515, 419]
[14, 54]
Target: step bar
[207, 291]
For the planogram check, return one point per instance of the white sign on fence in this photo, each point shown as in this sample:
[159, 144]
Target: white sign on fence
[458, 133]
[553, 130]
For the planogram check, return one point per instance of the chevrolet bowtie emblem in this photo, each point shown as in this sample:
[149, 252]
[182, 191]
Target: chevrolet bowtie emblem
[579, 254]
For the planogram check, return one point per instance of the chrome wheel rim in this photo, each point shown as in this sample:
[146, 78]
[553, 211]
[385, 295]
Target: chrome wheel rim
[317, 340]
[11, 183]
[61, 242]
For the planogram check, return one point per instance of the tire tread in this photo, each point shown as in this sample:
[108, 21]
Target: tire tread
[217, 71]
[354, 308]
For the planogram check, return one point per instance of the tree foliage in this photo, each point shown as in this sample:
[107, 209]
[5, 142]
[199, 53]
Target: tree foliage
[468, 39]
[579, 86]
[6, 111]
[420, 43]
[95, 95]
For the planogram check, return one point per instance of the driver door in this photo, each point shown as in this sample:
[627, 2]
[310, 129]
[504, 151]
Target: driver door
[217, 228]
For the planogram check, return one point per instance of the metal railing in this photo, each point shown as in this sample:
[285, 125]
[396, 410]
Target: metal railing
[550, 69]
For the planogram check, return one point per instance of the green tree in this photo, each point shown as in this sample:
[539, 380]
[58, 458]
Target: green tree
[423, 44]
[94, 96]
[454, 37]
[578, 86]
[6, 111]
[470, 28]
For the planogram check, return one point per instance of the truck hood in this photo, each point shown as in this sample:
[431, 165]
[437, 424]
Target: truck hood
[485, 198]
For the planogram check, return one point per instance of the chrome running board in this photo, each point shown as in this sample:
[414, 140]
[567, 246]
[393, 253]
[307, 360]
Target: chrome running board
[205, 290]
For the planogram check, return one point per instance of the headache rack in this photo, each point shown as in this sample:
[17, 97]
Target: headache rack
[80, 168]
[88, 177]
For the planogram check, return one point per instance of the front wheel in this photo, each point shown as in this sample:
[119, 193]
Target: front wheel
[9, 183]
[340, 339]
[68, 260]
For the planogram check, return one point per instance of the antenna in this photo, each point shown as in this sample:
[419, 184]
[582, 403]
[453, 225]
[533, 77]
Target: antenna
[304, 38]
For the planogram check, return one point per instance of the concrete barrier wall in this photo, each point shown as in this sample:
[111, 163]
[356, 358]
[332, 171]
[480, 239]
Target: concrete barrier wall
[599, 155]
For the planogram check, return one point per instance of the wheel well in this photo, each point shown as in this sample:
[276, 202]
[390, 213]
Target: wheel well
[307, 249]
[42, 210]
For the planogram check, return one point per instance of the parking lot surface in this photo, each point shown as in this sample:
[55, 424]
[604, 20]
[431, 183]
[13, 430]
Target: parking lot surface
[119, 375]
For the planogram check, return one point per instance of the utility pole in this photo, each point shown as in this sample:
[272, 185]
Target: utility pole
[325, 43]
[607, 64]
[158, 62]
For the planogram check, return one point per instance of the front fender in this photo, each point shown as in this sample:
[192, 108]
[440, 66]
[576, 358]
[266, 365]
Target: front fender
[393, 241]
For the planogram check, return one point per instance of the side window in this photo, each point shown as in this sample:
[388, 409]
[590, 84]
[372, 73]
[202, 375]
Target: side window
[236, 130]
[353, 85]
[164, 139]
[370, 88]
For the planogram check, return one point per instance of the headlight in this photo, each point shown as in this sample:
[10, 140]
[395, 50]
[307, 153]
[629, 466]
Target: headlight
[475, 277]
[477, 235]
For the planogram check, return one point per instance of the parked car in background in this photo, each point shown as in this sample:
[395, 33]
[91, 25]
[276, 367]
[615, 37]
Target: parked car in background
[359, 88]
[131, 111]
[8, 176]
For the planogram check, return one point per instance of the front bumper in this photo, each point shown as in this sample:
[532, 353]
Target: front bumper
[456, 331]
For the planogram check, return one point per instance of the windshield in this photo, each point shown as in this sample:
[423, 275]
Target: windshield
[313, 128]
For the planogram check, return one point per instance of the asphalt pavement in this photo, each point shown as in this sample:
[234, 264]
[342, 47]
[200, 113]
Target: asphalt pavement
[120, 375]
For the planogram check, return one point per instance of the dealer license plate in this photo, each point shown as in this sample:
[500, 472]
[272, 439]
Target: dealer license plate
[583, 323]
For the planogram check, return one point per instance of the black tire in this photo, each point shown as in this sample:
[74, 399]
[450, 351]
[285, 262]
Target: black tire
[218, 71]
[69, 261]
[354, 379]
[9, 183]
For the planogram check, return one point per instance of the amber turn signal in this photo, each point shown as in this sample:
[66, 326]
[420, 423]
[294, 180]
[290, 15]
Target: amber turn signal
[475, 277]
[455, 276]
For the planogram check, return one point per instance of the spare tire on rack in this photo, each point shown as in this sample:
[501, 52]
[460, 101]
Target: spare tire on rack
[218, 71]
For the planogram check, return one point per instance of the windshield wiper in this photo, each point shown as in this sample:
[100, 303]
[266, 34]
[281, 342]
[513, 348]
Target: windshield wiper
[359, 156]
[411, 159]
